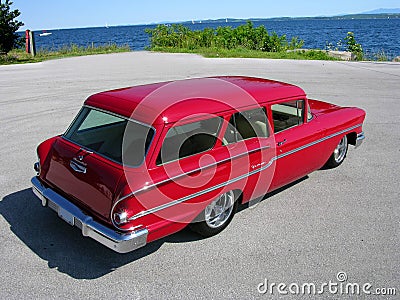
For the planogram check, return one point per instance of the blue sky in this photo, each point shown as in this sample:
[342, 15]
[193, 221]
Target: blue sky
[52, 14]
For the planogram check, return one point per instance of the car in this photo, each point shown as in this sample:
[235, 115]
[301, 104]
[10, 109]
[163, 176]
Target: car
[141, 163]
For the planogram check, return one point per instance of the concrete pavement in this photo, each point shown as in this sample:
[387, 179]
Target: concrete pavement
[342, 220]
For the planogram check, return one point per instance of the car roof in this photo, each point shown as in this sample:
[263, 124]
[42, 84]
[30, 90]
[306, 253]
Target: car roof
[176, 100]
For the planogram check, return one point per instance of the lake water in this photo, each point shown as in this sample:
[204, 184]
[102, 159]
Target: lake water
[375, 35]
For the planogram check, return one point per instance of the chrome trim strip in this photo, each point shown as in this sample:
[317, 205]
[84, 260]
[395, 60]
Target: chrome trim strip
[210, 189]
[191, 172]
[318, 141]
[119, 242]
[169, 204]
[264, 167]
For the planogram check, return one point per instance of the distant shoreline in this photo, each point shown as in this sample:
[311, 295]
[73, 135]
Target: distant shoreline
[344, 17]
[236, 20]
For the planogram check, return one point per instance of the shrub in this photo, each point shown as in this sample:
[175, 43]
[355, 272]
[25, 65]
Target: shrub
[353, 46]
[245, 36]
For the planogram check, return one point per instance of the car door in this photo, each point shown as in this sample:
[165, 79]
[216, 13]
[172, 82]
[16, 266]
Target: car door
[249, 144]
[296, 135]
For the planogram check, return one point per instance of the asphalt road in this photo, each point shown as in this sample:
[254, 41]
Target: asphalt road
[342, 220]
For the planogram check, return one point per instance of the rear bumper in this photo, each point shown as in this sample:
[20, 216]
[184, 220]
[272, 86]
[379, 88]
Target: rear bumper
[119, 242]
[360, 139]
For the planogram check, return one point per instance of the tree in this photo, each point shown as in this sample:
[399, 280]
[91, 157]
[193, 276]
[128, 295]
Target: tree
[9, 39]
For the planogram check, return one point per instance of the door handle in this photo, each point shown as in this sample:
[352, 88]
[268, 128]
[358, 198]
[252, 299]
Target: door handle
[282, 142]
[77, 167]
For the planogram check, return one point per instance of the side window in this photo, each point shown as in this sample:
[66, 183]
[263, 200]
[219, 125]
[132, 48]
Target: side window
[287, 114]
[189, 139]
[246, 125]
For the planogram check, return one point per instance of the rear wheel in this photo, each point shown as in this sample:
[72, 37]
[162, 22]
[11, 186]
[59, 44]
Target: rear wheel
[216, 216]
[338, 155]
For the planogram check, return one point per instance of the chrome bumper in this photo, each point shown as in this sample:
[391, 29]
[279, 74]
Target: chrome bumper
[119, 242]
[360, 139]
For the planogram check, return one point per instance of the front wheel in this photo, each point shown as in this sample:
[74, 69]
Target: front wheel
[216, 216]
[338, 155]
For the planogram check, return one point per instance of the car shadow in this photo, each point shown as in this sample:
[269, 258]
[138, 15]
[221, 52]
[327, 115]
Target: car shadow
[65, 249]
[268, 196]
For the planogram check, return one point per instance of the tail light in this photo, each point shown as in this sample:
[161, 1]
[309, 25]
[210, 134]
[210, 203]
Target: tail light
[121, 213]
[121, 218]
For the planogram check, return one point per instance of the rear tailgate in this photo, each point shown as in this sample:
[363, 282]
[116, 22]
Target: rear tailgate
[86, 178]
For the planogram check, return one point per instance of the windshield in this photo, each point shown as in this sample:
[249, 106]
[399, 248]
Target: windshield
[115, 137]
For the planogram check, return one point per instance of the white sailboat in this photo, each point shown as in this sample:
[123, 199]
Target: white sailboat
[45, 33]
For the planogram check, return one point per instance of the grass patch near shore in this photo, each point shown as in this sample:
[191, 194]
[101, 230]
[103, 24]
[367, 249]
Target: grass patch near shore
[19, 56]
[246, 53]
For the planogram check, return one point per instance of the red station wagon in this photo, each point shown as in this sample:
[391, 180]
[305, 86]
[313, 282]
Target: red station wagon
[140, 163]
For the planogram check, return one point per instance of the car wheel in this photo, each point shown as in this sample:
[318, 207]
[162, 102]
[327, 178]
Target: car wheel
[216, 216]
[338, 155]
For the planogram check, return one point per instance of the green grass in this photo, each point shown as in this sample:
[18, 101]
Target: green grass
[245, 53]
[19, 56]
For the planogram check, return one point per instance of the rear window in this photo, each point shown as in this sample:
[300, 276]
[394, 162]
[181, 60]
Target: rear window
[115, 137]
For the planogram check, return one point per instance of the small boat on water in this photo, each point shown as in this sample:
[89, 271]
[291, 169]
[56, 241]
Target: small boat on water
[45, 33]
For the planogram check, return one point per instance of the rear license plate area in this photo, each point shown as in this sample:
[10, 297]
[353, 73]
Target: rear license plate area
[66, 216]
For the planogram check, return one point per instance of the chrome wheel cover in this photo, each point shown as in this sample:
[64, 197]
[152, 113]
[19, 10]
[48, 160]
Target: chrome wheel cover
[341, 150]
[217, 213]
